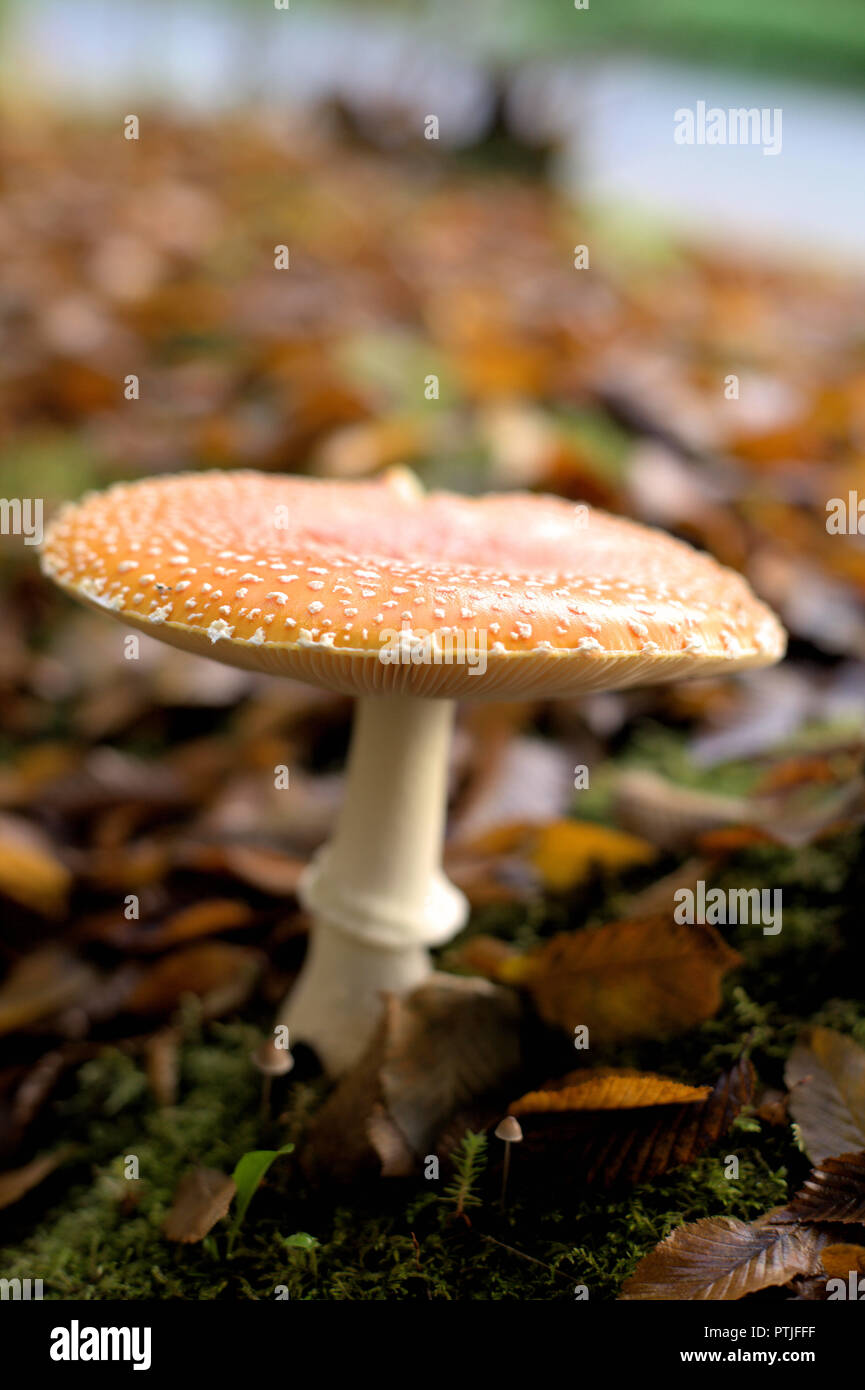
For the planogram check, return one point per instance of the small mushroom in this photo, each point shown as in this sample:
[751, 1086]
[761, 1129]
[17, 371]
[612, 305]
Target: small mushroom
[270, 1060]
[408, 601]
[510, 1131]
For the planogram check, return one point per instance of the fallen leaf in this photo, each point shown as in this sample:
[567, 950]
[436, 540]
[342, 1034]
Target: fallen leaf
[199, 919]
[220, 974]
[629, 979]
[450, 1041]
[31, 871]
[608, 1088]
[833, 1191]
[269, 870]
[202, 1198]
[566, 852]
[826, 1078]
[18, 1181]
[839, 1261]
[721, 1258]
[42, 984]
[639, 1141]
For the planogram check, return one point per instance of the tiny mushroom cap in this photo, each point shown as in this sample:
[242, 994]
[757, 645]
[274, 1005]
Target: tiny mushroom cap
[509, 1130]
[408, 600]
[271, 1060]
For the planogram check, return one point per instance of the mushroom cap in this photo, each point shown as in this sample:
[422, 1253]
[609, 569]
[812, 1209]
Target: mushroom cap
[375, 586]
[509, 1130]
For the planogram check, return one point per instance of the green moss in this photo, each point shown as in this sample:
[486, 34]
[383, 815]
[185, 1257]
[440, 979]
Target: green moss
[389, 1240]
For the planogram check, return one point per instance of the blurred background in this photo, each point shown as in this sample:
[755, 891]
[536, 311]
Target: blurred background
[702, 370]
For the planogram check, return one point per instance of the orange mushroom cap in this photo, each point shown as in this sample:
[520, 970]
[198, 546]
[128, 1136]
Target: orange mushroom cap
[312, 579]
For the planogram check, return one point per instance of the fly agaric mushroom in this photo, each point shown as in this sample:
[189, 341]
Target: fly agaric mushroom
[408, 601]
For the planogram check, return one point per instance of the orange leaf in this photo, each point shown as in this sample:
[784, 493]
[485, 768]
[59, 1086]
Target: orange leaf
[609, 1088]
[221, 975]
[840, 1260]
[30, 870]
[567, 852]
[628, 979]
[636, 1143]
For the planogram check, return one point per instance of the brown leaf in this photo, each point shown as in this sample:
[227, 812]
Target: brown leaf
[826, 1077]
[269, 870]
[202, 1198]
[638, 1143]
[720, 1258]
[17, 1182]
[220, 974]
[833, 1191]
[31, 871]
[40, 985]
[630, 979]
[200, 919]
[448, 1042]
[608, 1088]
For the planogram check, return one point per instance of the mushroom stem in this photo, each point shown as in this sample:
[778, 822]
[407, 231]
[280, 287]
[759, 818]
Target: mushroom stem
[376, 892]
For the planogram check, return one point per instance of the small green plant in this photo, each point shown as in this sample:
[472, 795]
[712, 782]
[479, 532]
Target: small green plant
[250, 1170]
[469, 1160]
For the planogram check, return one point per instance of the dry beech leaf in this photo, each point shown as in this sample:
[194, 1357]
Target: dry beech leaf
[30, 870]
[720, 1258]
[609, 1088]
[630, 979]
[202, 1198]
[449, 1042]
[826, 1077]
[42, 984]
[639, 1141]
[833, 1191]
[17, 1182]
[839, 1261]
[220, 974]
[566, 852]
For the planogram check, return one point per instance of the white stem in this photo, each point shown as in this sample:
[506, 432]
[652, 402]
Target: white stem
[377, 892]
